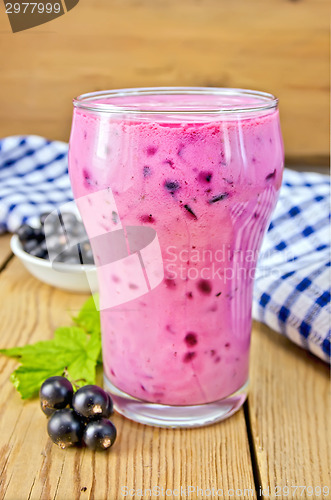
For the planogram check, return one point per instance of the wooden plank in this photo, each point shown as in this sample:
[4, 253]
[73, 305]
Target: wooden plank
[5, 251]
[289, 411]
[281, 46]
[143, 457]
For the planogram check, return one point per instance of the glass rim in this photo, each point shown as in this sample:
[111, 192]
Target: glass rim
[86, 101]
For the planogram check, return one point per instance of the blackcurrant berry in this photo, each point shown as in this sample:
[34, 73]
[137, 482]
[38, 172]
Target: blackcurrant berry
[65, 428]
[43, 217]
[25, 233]
[55, 393]
[40, 250]
[99, 434]
[39, 234]
[30, 245]
[56, 243]
[90, 401]
[86, 252]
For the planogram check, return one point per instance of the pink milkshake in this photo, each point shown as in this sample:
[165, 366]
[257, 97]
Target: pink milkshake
[203, 168]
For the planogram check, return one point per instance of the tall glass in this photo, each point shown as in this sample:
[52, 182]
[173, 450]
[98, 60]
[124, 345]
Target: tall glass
[176, 187]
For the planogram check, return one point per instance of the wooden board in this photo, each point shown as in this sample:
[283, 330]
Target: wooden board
[289, 412]
[143, 457]
[281, 46]
[5, 251]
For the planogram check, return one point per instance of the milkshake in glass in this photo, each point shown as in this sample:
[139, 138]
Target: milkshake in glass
[202, 167]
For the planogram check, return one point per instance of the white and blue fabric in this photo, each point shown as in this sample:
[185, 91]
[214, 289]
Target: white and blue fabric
[33, 179]
[292, 287]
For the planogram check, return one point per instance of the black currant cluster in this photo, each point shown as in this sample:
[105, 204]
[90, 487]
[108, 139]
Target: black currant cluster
[33, 239]
[77, 418]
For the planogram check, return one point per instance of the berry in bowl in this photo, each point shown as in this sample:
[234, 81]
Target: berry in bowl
[69, 270]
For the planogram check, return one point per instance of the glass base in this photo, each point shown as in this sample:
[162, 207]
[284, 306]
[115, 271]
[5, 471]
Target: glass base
[160, 415]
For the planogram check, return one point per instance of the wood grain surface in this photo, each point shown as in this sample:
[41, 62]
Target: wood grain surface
[5, 251]
[289, 408]
[281, 46]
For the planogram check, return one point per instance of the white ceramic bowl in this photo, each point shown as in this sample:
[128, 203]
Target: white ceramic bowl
[70, 277]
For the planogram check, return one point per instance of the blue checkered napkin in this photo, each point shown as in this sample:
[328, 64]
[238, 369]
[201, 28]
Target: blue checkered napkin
[33, 179]
[292, 287]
